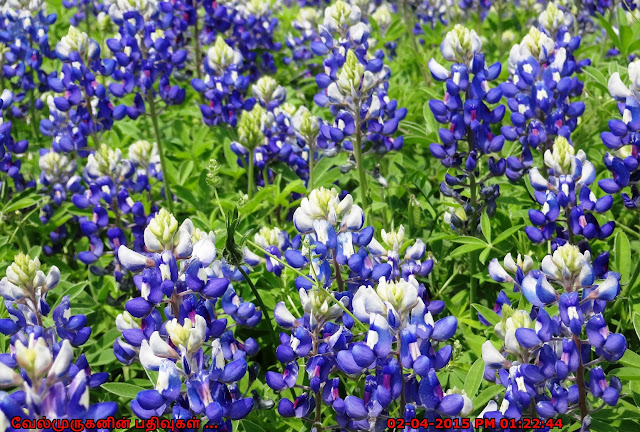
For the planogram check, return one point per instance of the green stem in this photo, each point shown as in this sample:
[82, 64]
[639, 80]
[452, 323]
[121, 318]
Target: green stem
[632, 280]
[197, 53]
[408, 21]
[87, 14]
[196, 42]
[628, 230]
[250, 179]
[263, 308]
[499, 30]
[312, 152]
[472, 281]
[336, 267]
[582, 387]
[92, 119]
[163, 161]
[357, 150]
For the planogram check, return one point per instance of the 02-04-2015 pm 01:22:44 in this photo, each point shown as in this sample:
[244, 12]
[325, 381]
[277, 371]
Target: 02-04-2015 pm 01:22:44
[479, 423]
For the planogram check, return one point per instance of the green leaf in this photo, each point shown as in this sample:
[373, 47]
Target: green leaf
[19, 204]
[507, 234]
[636, 323]
[251, 426]
[474, 378]
[610, 31]
[600, 426]
[486, 226]
[622, 250]
[128, 391]
[485, 396]
[469, 240]
[630, 359]
[595, 74]
[73, 291]
[466, 248]
[635, 391]
[627, 373]
[488, 314]
[185, 171]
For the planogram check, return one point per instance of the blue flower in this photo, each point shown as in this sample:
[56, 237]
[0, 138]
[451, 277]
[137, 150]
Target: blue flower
[193, 348]
[41, 363]
[543, 355]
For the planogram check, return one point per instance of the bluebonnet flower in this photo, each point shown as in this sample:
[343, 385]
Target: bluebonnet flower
[623, 139]
[111, 181]
[539, 91]
[198, 359]
[354, 86]
[40, 366]
[146, 57]
[58, 178]
[10, 150]
[82, 109]
[275, 243]
[86, 11]
[568, 203]
[553, 18]
[391, 307]
[146, 160]
[480, 6]
[224, 87]
[248, 27]
[468, 141]
[512, 271]
[24, 44]
[282, 133]
[306, 24]
[432, 12]
[544, 359]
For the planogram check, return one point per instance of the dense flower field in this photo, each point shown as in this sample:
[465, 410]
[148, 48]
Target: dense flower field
[320, 215]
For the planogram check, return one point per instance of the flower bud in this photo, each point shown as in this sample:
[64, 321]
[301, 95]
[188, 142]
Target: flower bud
[538, 44]
[189, 335]
[506, 328]
[220, 56]
[460, 44]
[350, 74]
[250, 127]
[266, 89]
[143, 153]
[75, 41]
[401, 294]
[25, 272]
[560, 158]
[306, 124]
[35, 358]
[552, 18]
[382, 17]
[257, 8]
[340, 15]
[508, 36]
[104, 22]
[319, 305]
[56, 167]
[324, 204]
[108, 162]
[393, 240]
[159, 235]
[566, 261]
